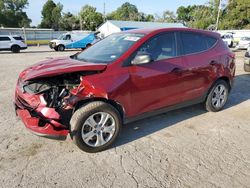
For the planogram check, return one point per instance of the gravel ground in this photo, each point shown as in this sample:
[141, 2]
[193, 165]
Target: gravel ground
[183, 148]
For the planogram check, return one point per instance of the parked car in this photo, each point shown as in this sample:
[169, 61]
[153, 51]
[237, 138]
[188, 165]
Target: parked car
[228, 39]
[73, 40]
[123, 78]
[12, 43]
[244, 43]
[247, 60]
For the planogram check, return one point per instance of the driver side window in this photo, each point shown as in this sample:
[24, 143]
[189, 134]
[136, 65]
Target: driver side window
[160, 47]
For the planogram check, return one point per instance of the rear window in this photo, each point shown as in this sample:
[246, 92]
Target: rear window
[4, 39]
[18, 38]
[195, 42]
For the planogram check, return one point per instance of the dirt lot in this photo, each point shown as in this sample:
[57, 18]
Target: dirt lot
[183, 148]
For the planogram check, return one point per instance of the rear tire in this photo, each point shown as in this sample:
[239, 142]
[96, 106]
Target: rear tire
[217, 96]
[61, 48]
[246, 68]
[15, 49]
[95, 126]
[88, 45]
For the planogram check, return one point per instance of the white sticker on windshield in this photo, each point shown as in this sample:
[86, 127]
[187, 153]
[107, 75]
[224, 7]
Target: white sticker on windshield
[113, 56]
[134, 39]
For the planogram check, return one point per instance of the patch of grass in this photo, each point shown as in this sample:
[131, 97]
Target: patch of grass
[36, 42]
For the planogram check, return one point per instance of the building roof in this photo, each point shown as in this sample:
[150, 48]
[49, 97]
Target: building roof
[134, 24]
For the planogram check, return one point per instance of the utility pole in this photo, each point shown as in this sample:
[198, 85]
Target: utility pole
[218, 16]
[104, 11]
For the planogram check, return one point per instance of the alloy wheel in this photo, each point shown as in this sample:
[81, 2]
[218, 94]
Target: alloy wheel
[98, 129]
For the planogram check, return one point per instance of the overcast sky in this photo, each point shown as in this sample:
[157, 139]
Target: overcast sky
[74, 6]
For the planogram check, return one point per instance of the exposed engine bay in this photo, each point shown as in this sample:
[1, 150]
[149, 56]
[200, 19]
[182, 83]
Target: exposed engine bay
[54, 89]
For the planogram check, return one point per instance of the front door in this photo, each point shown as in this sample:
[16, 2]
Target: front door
[157, 84]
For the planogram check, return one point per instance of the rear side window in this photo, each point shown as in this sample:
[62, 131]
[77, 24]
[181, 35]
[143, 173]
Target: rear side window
[18, 38]
[192, 43]
[210, 41]
[4, 39]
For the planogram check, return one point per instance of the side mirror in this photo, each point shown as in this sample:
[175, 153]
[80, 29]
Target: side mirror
[141, 59]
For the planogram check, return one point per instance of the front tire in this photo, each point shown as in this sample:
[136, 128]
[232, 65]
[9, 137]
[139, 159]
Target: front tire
[61, 48]
[15, 49]
[217, 96]
[95, 126]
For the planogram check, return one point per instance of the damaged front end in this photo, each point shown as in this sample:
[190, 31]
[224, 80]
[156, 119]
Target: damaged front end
[45, 104]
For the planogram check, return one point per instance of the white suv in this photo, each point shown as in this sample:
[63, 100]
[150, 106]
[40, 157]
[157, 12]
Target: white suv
[12, 43]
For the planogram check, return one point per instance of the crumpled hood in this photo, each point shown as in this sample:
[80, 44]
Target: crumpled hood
[58, 66]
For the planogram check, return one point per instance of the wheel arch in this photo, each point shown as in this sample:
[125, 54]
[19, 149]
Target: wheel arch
[227, 80]
[115, 104]
[14, 45]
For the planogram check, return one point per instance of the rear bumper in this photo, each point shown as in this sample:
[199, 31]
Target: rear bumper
[48, 130]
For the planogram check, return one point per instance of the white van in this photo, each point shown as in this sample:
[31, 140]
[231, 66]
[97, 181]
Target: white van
[72, 40]
[12, 43]
[228, 39]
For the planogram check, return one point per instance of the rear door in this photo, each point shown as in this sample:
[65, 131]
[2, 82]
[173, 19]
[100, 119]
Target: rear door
[157, 84]
[4, 42]
[200, 57]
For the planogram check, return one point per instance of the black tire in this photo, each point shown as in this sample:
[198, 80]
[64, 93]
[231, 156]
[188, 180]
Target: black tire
[231, 44]
[246, 68]
[82, 114]
[209, 106]
[61, 48]
[15, 49]
[88, 45]
[56, 48]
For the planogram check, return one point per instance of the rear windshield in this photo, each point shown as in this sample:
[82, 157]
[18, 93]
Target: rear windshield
[18, 38]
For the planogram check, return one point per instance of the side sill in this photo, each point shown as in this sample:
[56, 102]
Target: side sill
[164, 110]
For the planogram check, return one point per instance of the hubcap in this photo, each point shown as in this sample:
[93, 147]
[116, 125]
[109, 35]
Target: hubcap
[219, 96]
[98, 129]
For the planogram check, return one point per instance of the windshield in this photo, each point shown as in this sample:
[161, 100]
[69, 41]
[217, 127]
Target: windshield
[109, 49]
[61, 37]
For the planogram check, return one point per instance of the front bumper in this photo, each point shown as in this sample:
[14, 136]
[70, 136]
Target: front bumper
[48, 130]
[52, 45]
[40, 120]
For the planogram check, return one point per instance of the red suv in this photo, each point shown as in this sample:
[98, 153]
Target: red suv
[125, 77]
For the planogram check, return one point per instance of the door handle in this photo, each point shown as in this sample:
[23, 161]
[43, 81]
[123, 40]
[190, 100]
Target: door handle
[177, 70]
[213, 63]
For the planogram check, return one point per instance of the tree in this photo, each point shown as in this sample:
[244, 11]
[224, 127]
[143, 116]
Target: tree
[167, 16]
[89, 18]
[126, 12]
[236, 15]
[184, 13]
[51, 15]
[12, 14]
[69, 22]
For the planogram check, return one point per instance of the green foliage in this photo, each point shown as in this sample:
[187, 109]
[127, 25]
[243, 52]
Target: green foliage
[69, 22]
[129, 12]
[89, 18]
[51, 15]
[236, 15]
[12, 15]
[126, 12]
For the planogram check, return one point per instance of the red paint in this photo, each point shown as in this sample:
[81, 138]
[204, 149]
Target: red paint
[137, 89]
